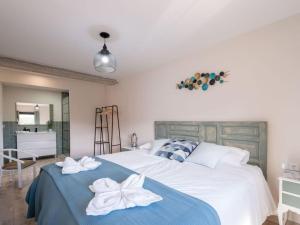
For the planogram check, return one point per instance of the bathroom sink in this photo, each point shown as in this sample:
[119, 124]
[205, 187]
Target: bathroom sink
[32, 132]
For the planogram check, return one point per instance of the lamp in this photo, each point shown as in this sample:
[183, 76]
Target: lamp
[134, 140]
[104, 61]
[36, 107]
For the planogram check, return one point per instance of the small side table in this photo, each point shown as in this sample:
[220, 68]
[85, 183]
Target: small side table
[289, 198]
[127, 148]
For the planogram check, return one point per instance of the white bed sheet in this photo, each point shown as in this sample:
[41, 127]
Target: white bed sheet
[240, 195]
[132, 159]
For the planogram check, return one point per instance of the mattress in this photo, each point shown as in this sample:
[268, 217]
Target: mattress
[71, 193]
[240, 195]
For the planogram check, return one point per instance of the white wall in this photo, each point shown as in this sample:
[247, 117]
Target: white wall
[12, 94]
[44, 114]
[264, 85]
[84, 98]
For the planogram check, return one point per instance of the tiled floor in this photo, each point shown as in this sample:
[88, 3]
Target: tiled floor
[13, 207]
[12, 199]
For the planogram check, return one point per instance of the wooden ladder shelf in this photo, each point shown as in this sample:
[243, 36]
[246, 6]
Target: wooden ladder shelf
[105, 119]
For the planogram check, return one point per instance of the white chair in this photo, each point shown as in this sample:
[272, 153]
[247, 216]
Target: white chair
[15, 164]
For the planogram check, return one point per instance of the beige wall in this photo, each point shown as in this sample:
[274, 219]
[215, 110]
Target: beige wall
[11, 95]
[264, 85]
[84, 98]
[1, 118]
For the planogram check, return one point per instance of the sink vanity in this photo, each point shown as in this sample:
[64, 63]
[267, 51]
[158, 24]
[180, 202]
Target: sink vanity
[36, 116]
[39, 143]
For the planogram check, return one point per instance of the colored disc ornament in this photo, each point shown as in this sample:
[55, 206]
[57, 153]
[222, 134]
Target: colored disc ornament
[204, 87]
[212, 82]
[197, 76]
[202, 81]
[212, 76]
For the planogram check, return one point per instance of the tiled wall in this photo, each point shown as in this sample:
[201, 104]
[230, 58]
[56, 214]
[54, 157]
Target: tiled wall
[65, 124]
[10, 137]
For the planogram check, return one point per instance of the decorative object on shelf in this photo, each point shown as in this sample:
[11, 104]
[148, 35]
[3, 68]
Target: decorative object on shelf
[202, 81]
[50, 125]
[134, 140]
[104, 61]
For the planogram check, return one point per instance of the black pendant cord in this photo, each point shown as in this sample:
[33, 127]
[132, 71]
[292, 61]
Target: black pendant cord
[104, 36]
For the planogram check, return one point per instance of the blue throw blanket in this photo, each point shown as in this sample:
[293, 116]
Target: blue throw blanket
[57, 199]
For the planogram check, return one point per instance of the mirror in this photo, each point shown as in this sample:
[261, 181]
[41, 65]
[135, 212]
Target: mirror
[34, 113]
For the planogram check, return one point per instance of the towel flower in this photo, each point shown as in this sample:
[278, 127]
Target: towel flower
[71, 166]
[110, 195]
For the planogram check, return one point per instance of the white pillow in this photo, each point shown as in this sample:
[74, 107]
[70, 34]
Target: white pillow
[207, 154]
[235, 157]
[156, 144]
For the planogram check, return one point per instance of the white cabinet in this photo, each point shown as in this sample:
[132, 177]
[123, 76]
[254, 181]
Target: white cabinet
[289, 198]
[39, 143]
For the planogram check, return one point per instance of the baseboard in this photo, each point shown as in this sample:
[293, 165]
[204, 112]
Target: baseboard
[292, 221]
[295, 218]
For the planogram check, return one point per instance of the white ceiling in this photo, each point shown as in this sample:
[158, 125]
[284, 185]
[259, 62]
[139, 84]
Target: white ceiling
[145, 33]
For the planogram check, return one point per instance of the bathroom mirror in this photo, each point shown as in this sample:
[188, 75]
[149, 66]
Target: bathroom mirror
[34, 113]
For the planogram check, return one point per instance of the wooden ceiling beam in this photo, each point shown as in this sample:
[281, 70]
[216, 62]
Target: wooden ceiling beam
[53, 71]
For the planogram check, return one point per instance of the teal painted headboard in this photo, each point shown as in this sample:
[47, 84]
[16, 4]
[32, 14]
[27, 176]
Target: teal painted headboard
[251, 136]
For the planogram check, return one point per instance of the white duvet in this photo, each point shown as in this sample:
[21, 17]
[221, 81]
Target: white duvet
[240, 195]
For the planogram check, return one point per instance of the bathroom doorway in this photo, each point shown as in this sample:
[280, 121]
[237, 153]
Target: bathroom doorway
[37, 120]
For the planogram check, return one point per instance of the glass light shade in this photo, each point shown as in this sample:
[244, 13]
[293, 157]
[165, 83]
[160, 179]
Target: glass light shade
[104, 61]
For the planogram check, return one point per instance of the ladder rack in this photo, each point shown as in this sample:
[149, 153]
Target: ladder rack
[104, 129]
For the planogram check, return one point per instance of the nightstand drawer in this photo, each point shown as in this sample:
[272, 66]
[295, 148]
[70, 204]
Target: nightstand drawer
[291, 187]
[291, 200]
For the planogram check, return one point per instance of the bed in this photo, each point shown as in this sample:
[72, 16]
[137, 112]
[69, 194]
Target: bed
[225, 195]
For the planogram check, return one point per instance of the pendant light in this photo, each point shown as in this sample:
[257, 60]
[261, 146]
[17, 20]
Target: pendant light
[104, 61]
[36, 107]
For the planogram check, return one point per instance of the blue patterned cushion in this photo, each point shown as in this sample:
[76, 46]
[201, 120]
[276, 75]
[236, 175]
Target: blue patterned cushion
[177, 149]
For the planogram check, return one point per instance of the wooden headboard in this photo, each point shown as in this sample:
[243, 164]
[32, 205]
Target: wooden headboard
[251, 136]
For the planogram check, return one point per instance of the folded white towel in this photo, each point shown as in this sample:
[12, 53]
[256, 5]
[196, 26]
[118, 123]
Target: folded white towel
[110, 195]
[70, 166]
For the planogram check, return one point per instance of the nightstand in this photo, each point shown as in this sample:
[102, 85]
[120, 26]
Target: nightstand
[289, 198]
[127, 148]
